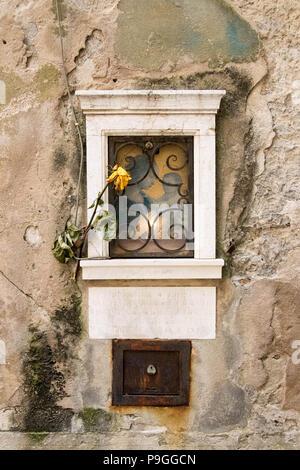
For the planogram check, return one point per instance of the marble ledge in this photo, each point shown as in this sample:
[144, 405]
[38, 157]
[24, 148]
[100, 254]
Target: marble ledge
[185, 268]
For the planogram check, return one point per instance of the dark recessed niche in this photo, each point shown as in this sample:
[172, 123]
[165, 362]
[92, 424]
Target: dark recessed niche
[151, 373]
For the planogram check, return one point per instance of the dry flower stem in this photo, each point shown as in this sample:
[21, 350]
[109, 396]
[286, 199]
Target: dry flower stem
[89, 226]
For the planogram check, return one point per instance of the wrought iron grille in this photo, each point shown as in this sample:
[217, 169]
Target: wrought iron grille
[156, 217]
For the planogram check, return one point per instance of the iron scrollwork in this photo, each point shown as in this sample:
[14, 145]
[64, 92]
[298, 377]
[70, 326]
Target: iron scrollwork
[145, 168]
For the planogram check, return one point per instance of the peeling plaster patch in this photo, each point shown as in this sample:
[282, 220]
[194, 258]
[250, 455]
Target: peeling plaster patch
[149, 429]
[2, 92]
[21, 96]
[30, 31]
[12, 48]
[90, 62]
[32, 236]
[255, 314]
[19, 104]
[201, 30]
[228, 408]
[5, 170]
[6, 419]
[241, 281]
[86, 5]
[295, 95]
[2, 352]
[93, 44]
[296, 354]
[76, 424]
[262, 125]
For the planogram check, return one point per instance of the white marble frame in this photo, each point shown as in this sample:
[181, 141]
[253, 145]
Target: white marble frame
[148, 112]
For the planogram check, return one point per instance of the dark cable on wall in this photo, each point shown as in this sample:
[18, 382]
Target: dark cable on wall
[72, 107]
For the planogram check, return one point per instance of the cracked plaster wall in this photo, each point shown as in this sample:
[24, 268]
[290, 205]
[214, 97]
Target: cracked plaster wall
[245, 387]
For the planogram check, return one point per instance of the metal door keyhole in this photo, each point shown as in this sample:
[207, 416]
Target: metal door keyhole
[151, 369]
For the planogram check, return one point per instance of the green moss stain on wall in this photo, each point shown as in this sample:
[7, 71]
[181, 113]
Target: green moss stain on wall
[13, 86]
[46, 363]
[46, 81]
[45, 84]
[44, 385]
[154, 32]
[96, 419]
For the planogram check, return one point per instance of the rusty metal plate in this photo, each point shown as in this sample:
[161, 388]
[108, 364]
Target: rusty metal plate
[151, 373]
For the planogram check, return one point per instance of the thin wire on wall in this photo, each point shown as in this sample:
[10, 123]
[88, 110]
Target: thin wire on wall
[72, 108]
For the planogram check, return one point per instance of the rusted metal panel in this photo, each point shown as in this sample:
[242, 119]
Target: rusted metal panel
[151, 373]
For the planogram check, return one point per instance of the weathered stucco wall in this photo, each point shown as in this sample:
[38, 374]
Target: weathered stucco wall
[245, 390]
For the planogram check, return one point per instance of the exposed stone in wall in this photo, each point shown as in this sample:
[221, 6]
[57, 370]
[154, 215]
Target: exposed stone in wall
[245, 386]
[260, 298]
[227, 409]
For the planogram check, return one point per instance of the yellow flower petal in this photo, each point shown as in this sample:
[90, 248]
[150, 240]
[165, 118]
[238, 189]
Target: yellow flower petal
[112, 177]
[120, 177]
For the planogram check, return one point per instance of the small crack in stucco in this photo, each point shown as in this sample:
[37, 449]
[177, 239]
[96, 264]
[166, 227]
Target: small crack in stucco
[29, 296]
